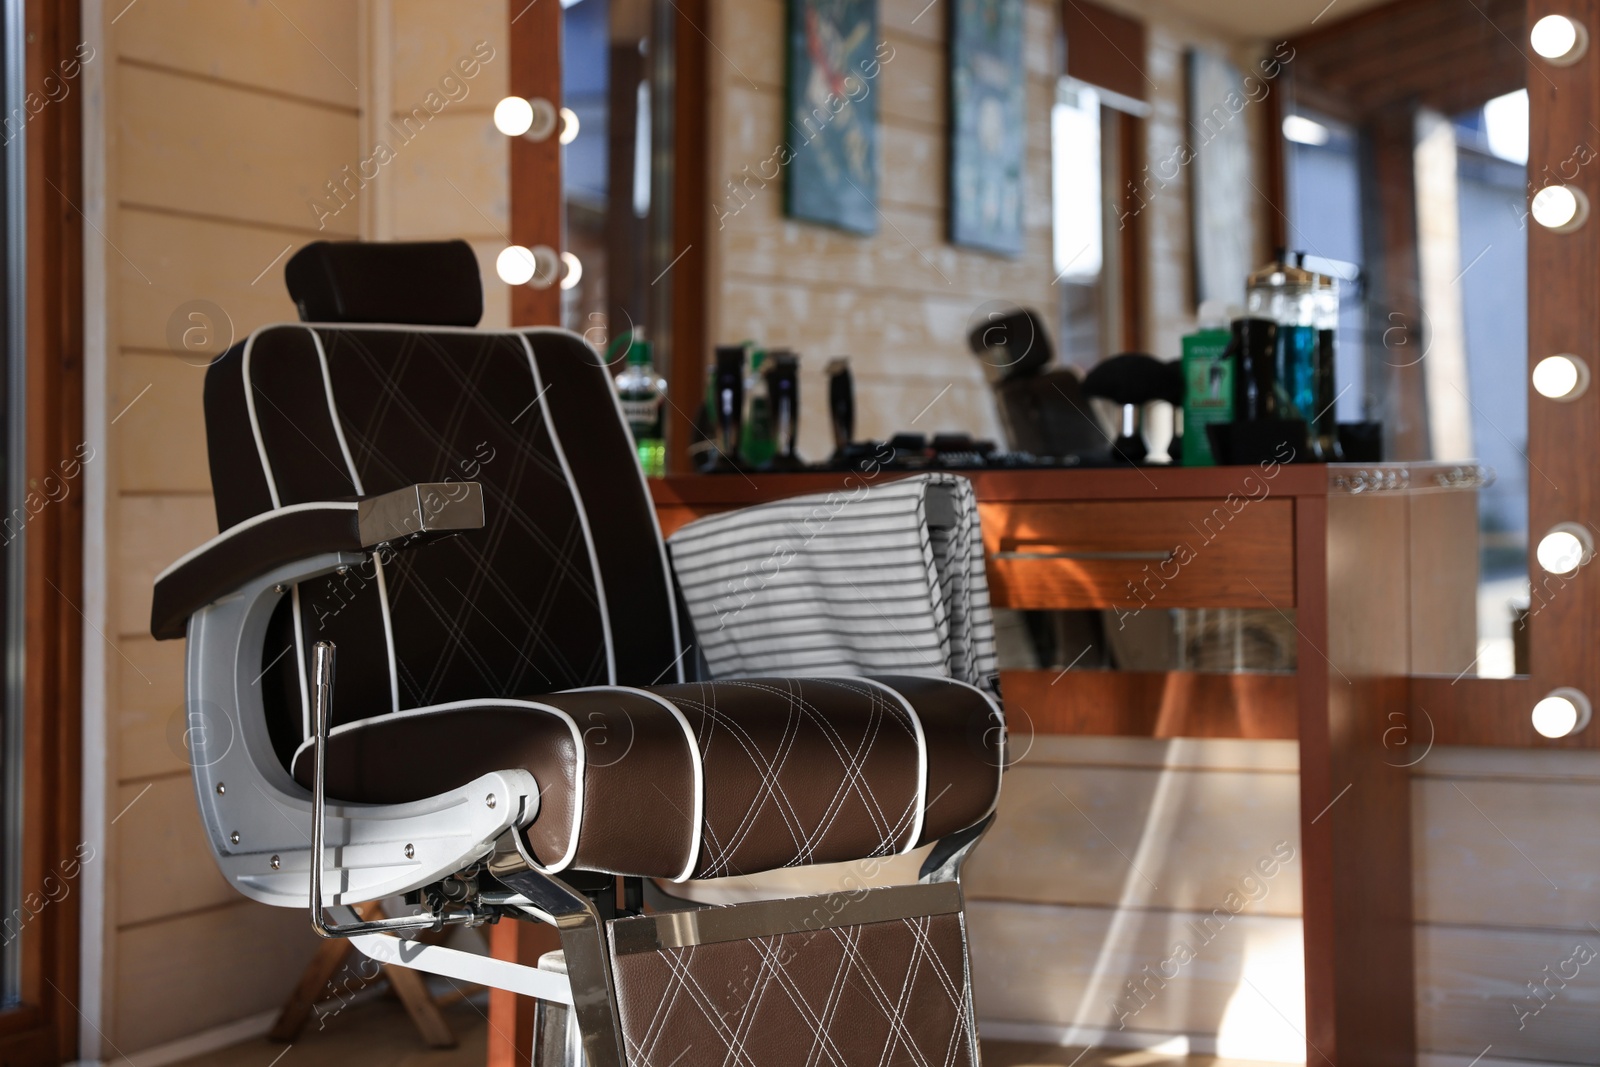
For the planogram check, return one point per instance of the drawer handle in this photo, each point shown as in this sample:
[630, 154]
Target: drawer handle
[1155, 555]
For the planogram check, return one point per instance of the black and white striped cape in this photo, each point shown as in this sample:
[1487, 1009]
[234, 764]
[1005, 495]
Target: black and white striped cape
[886, 577]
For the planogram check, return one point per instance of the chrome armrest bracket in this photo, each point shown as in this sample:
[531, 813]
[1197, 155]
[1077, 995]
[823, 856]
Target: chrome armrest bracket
[258, 819]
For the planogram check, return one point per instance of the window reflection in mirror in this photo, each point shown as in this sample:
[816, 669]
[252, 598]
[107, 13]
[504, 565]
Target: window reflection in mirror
[610, 56]
[1418, 202]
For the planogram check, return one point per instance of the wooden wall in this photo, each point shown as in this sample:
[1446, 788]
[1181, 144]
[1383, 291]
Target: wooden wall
[222, 122]
[224, 119]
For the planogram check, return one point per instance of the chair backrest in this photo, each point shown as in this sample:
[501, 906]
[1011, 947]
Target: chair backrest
[566, 585]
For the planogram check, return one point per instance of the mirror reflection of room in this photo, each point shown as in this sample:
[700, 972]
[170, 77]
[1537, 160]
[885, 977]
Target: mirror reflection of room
[1097, 272]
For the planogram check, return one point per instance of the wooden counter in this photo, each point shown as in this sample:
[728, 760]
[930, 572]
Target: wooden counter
[1376, 569]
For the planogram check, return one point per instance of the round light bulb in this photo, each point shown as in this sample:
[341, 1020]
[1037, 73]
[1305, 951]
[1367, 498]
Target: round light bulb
[1561, 714]
[574, 273]
[1560, 377]
[1558, 39]
[1562, 208]
[515, 265]
[1565, 548]
[513, 116]
[569, 125]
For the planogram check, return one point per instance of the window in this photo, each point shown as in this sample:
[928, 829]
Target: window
[1440, 346]
[1094, 136]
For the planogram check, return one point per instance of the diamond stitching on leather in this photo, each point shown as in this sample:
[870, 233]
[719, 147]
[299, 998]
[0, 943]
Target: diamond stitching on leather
[889, 993]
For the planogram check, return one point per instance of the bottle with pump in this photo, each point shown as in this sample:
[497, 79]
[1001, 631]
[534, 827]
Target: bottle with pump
[1286, 295]
[643, 394]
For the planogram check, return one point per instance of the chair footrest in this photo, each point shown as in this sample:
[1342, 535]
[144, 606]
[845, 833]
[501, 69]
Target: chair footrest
[838, 978]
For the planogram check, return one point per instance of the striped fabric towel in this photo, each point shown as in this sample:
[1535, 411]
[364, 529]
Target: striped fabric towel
[886, 578]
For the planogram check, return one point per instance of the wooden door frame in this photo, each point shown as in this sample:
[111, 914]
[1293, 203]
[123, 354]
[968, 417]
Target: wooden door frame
[44, 1029]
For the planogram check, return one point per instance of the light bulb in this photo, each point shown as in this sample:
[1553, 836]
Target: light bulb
[1565, 548]
[574, 273]
[569, 125]
[1562, 208]
[1561, 714]
[513, 116]
[1301, 130]
[515, 265]
[1561, 377]
[1558, 39]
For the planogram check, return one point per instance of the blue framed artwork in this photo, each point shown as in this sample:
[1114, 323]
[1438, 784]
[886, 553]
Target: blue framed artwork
[988, 124]
[834, 62]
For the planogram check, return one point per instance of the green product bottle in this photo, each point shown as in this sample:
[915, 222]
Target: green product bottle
[1207, 392]
[643, 393]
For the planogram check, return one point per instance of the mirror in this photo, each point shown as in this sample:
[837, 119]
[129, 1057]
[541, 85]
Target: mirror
[1382, 145]
[1405, 151]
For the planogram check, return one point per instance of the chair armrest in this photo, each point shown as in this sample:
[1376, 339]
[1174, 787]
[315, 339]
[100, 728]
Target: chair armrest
[252, 548]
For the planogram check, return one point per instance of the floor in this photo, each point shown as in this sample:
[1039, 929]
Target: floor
[376, 1032]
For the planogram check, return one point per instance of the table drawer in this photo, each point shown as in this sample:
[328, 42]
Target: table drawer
[1212, 553]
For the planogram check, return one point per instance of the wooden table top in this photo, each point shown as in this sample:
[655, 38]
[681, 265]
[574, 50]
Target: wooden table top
[1101, 483]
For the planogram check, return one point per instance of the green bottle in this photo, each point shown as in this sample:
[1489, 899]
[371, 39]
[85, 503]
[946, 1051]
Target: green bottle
[1207, 393]
[643, 393]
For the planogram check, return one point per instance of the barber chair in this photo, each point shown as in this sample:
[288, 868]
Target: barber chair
[1042, 407]
[517, 729]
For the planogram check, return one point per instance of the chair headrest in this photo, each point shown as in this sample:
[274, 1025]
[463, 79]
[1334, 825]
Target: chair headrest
[417, 283]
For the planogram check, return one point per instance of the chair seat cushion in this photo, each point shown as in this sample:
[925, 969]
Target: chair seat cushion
[703, 780]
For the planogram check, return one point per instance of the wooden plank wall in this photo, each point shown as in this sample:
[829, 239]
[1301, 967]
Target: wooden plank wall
[224, 122]
[452, 182]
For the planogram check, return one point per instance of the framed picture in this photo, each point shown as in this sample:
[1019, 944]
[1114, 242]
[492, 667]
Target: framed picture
[988, 124]
[831, 175]
[1220, 191]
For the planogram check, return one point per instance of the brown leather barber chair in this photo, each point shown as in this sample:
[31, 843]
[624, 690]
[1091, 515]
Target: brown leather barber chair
[517, 730]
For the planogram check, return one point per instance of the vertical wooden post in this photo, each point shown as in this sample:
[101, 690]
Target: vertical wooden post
[1564, 317]
[689, 255]
[537, 211]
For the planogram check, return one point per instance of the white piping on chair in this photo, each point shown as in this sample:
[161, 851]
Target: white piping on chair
[583, 512]
[922, 748]
[300, 660]
[333, 412]
[355, 482]
[388, 633]
[580, 762]
[1000, 717]
[255, 423]
[256, 520]
[697, 758]
[655, 519]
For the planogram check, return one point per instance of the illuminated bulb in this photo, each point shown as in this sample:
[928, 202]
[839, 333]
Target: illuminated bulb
[1560, 207]
[515, 265]
[1565, 548]
[513, 117]
[1301, 130]
[569, 125]
[574, 273]
[1558, 39]
[1560, 377]
[1561, 714]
